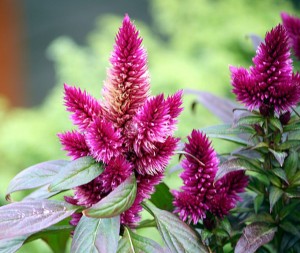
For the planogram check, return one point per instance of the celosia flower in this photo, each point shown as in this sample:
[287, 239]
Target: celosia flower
[199, 194]
[270, 83]
[128, 131]
[292, 26]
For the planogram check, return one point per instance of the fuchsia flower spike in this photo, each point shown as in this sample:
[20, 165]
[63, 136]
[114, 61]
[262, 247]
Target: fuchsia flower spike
[128, 131]
[199, 194]
[270, 83]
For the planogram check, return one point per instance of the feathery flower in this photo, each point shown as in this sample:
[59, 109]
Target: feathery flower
[128, 131]
[270, 82]
[292, 26]
[200, 194]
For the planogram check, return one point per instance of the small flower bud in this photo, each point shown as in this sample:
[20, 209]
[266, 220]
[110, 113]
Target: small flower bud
[258, 129]
[285, 117]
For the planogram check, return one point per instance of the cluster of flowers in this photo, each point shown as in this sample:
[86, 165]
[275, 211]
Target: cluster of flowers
[271, 86]
[128, 131]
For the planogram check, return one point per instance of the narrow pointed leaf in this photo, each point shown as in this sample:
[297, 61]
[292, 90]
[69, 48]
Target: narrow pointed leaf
[291, 164]
[222, 108]
[276, 123]
[232, 139]
[94, 235]
[293, 193]
[227, 129]
[234, 164]
[12, 245]
[116, 202]
[133, 243]
[36, 176]
[28, 217]
[177, 235]
[254, 236]
[289, 144]
[77, 172]
[279, 156]
[290, 228]
[249, 120]
[281, 174]
[258, 201]
[274, 196]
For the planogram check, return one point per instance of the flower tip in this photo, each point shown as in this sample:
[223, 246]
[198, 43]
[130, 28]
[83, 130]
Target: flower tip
[126, 18]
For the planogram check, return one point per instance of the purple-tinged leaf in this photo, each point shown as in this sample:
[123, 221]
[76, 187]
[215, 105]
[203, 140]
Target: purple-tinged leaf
[254, 236]
[232, 139]
[94, 235]
[177, 235]
[222, 108]
[274, 196]
[279, 156]
[115, 203]
[133, 243]
[227, 129]
[12, 245]
[28, 217]
[40, 193]
[256, 40]
[35, 176]
[76, 173]
[234, 164]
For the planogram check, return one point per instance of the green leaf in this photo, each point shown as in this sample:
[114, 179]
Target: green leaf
[293, 192]
[177, 235]
[289, 144]
[12, 245]
[116, 202]
[133, 243]
[290, 228]
[279, 156]
[291, 164]
[274, 196]
[35, 176]
[249, 120]
[258, 201]
[280, 173]
[296, 179]
[275, 122]
[254, 236]
[234, 164]
[288, 209]
[77, 172]
[96, 235]
[27, 217]
[260, 217]
[147, 223]
[162, 198]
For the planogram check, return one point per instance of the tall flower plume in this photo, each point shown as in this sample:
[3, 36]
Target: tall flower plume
[270, 82]
[292, 26]
[128, 131]
[199, 194]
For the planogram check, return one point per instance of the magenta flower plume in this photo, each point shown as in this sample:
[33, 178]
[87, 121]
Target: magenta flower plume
[270, 82]
[128, 131]
[127, 85]
[292, 26]
[199, 194]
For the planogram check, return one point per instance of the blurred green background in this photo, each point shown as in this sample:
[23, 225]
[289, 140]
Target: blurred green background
[190, 44]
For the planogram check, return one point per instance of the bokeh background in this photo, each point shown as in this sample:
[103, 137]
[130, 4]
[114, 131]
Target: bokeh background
[44, 44]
